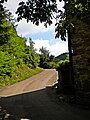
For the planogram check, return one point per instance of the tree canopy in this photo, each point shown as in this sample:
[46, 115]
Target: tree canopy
[44, 10]
[38, 11]
[14, 53]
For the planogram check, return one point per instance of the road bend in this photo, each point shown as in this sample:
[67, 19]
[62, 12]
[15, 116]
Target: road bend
[34, 99]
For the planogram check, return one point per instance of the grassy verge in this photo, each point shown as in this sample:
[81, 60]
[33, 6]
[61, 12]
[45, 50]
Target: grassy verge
[21, 73]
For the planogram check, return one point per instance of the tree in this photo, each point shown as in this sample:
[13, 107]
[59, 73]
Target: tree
[31, 43]
[4, 27]
[6, 23]
[44, 57]
[44, 10]
[74, 10]
[2, 1]
[13, 49]
[38, 11]
[52, 58]
[11, 20]
[1, 5]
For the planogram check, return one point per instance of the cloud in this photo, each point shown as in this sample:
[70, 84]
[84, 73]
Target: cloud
[12, 5]
[60, 5]
[25, 28]
[57, 48]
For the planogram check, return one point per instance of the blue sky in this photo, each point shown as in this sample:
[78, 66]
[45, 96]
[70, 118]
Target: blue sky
[40, 35]
[43, 35]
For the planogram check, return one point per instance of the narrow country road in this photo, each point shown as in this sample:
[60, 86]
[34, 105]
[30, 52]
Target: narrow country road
[37, 82]
[33, 99]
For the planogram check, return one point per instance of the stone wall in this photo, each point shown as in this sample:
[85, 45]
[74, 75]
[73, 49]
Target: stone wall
[81, 60]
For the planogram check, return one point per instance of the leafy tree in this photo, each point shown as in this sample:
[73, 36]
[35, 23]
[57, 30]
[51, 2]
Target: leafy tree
[4, 61]
[46, 60]
[31, 58]
[2, 1]
[44, 10]
[44, 57]
[13, 50]
[51, 58]
[1, 4]
[31, 43]
[37, 10]
[11, 20]
[4, 28]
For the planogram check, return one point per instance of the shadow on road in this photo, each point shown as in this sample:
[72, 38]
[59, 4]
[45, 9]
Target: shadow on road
[41, 105]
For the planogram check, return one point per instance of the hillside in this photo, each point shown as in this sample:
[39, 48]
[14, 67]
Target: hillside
[61, 57]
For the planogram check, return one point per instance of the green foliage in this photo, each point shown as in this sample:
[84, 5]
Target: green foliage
[74, 9]
[17, 59]
[4, 63]
[63, 56]
[37, 11]
[4, 28]
[46, 10]
[62, 59]
[47, 61]
[62, 63]
[52, 65]
[21, 73]
[44, 57]
[31, 44]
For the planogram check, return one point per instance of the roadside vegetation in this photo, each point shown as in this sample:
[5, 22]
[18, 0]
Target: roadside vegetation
[17, 60]
[50, 61]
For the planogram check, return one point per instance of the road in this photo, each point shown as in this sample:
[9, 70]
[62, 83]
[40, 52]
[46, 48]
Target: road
[34, 99]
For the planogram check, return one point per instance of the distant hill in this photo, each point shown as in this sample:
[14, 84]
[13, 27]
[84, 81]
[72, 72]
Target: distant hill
[61, 57]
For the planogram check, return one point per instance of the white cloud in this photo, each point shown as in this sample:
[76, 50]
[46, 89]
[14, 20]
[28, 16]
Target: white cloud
[55, 49]
[12, 5]
[58, 48]
[25, 28]
[60, 5]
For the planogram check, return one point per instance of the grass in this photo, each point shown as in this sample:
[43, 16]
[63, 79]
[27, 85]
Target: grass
[21, 73]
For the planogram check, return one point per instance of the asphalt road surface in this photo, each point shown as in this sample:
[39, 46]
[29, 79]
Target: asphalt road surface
[34, 99]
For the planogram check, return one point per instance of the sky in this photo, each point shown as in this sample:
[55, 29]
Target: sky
[39, 34]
